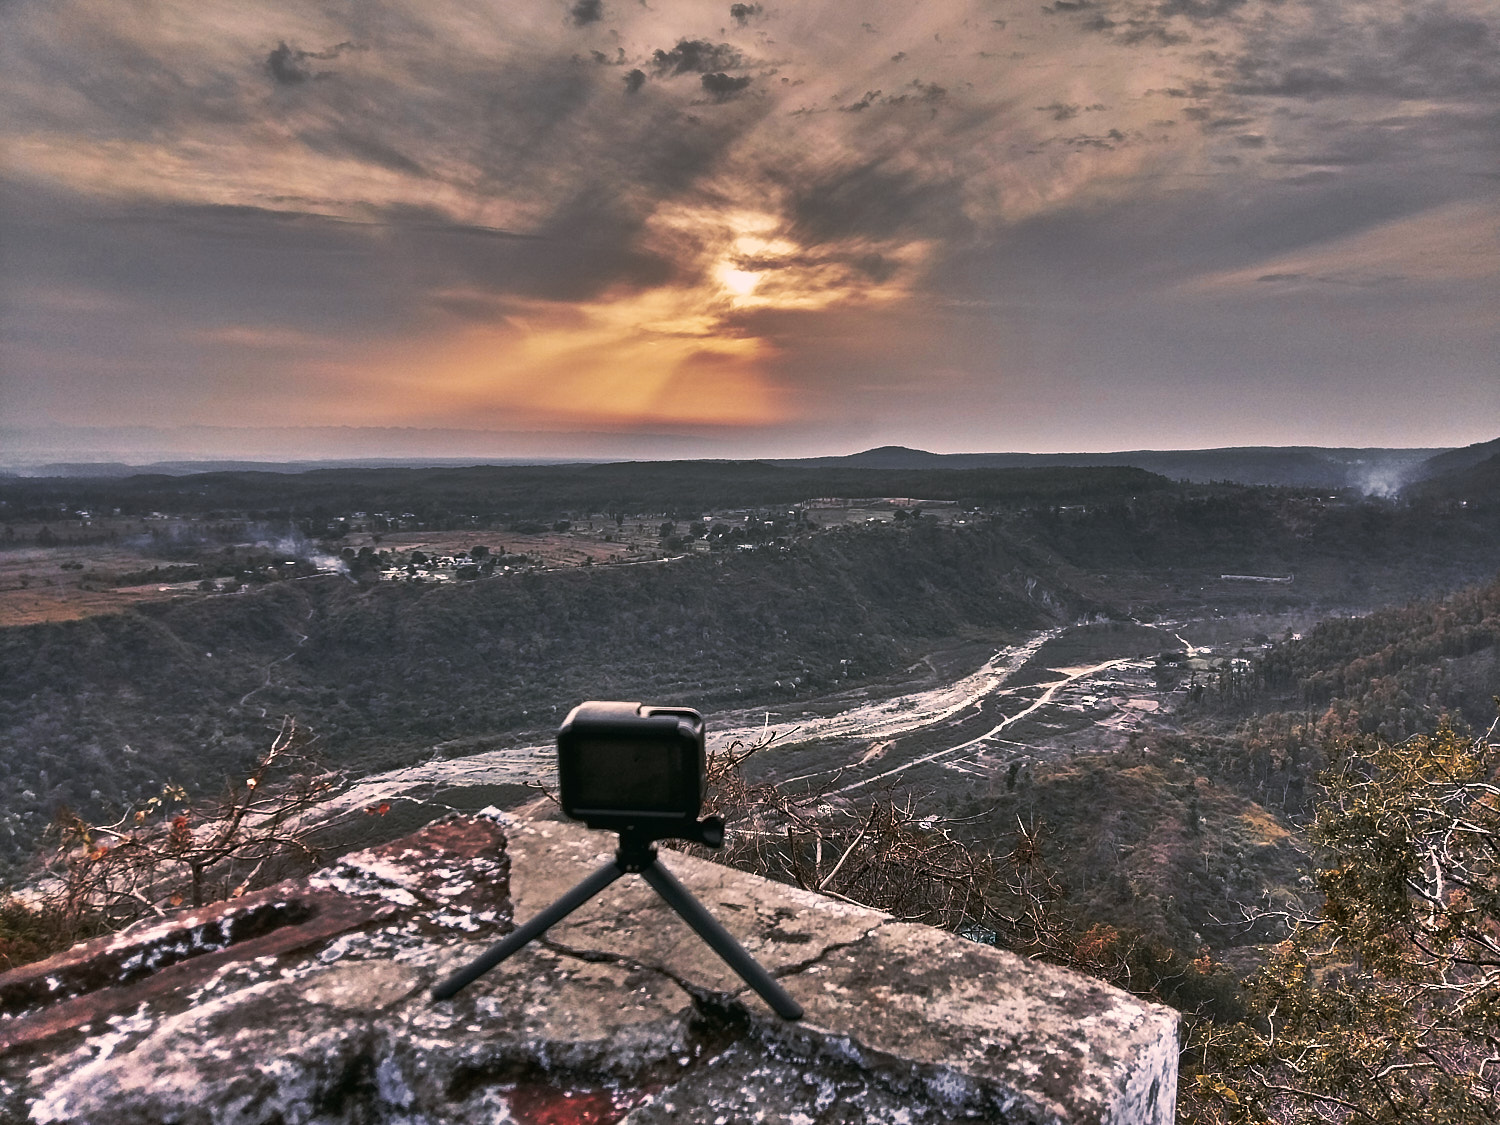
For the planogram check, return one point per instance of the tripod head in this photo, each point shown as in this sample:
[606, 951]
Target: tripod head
[637, 846]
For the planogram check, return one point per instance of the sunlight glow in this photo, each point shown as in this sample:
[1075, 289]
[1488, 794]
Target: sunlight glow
[741, 283]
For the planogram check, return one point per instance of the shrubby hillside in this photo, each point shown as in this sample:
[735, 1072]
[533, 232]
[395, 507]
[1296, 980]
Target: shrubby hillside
[105, 709]
[1340, 552]
[1170, 838]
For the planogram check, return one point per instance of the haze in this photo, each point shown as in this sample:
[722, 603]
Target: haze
[751, 229]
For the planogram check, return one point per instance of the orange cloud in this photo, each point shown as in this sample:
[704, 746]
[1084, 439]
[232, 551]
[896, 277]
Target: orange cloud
[657, 358]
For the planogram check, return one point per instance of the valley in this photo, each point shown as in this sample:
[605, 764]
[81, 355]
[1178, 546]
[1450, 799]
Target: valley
[1011, 710]
[1097, 656]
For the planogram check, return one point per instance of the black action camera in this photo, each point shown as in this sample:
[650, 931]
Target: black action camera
[631, 766]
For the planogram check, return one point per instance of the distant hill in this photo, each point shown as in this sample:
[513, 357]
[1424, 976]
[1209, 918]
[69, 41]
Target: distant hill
[1375, 471]
[494, 494]
[896, 457]
[1455, 460]
[1475, 484]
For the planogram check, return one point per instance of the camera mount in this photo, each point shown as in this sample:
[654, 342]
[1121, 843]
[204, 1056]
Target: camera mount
[638, 771]
[636, 854]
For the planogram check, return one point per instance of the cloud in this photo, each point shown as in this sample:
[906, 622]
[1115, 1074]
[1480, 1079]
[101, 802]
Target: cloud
[1200, 10]
[723, 86]
[584, 12]
[287, 66]
[874, 199]
[1429, 53]
[696, 56]
[1431, 247]
[364, 146]
[477, 165]
[915, 92]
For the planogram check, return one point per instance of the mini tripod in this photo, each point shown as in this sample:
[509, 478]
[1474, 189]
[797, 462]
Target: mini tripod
[637, 853]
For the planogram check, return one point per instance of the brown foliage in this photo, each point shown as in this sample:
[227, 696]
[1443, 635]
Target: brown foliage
[889, 856]
[172, 851]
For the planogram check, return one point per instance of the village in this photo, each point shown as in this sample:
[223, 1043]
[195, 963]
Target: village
[86, 562]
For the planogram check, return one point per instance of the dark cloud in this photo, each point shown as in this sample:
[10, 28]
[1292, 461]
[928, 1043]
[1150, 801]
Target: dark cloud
[876, 199]
[361, 144]
[695, 56]
[722, 87]
[1107, 141]
[634, 80]
[288, 66]
[200, 266]
[742, 14]
[916, 92]
[858, 266]
[1133, 25]
[1430, 53]
[1059, 111]
[1200, 10]
[584, 12]
[876, 267]
[927, 91]
[1150, 31]
[593, 242]
[1289, 82]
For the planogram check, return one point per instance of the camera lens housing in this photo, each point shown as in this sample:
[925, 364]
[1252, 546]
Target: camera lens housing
[632, 767]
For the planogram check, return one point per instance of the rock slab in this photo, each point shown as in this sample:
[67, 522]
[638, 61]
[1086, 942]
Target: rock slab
[620, 1015]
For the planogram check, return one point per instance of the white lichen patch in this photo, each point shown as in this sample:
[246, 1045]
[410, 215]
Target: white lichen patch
[366, 882]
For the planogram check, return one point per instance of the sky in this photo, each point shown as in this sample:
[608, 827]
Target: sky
[768, 229]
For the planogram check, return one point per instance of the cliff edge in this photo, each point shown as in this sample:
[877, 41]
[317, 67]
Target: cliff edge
[308, 1003]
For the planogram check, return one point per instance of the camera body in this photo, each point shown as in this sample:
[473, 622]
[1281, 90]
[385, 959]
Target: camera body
[633, 767]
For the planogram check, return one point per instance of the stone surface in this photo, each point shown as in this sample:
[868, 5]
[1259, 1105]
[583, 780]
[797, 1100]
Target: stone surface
[622, 1014]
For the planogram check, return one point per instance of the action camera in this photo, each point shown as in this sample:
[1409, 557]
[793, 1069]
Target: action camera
[631, 766]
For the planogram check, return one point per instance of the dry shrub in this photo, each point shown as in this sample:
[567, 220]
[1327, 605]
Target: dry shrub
[172, 851]
[884, 854]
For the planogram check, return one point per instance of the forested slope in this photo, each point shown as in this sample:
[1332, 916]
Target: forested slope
[494, 494]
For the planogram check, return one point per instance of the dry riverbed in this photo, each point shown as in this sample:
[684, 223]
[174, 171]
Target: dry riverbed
[1016, 706]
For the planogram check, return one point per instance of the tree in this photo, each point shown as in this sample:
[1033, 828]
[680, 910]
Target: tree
[1385, 1008]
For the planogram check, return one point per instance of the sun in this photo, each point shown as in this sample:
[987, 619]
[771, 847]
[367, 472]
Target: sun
[739, 282]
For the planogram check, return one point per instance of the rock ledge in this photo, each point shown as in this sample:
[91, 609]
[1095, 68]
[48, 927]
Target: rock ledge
[307, 1003]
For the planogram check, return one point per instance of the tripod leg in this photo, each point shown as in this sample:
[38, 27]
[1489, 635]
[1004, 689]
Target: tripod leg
[720, 940]
[533, 929]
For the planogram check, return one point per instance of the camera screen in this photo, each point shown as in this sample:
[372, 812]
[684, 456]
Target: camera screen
[619, 774]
